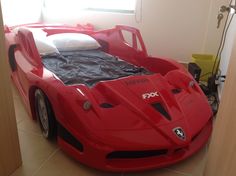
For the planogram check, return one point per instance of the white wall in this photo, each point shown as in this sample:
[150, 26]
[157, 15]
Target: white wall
[213, 35]
[173, 29]
[21, 11]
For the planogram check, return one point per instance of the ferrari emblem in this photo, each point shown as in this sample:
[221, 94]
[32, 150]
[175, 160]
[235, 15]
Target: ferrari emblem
[179, 133]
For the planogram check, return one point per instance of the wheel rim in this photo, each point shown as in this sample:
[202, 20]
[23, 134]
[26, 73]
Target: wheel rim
[43, 116]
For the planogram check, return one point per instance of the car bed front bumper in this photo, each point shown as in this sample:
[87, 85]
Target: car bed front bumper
[98, 157]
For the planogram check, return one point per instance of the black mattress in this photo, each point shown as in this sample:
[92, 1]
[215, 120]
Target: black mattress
[89, 67]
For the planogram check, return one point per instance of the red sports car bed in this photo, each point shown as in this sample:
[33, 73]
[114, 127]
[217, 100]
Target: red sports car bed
[110, 105]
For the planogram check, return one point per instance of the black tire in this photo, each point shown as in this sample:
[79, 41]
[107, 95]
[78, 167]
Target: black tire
[45, 115]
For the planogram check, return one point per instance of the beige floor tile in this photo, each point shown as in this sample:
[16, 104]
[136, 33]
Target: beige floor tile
[35, 150]
[63, 165]
[24, 121]
[199, 170]
[23, 171]
[20, 110]
[190, 165]
[30, 126]
[157, 172]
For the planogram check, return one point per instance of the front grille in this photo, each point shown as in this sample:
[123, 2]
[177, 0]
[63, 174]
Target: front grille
[136, 154]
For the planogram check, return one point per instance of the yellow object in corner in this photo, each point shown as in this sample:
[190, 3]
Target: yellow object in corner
[206, 63]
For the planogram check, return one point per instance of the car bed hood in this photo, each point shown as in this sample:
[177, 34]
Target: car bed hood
[148, 103]
[137, 108]
[145, 98]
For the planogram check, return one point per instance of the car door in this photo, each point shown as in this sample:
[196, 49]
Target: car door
[26, 59]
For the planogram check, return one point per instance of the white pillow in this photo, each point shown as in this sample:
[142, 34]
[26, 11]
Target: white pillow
[74, 42]
[45, 46]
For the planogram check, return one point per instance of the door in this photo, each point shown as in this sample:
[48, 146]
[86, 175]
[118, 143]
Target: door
[222, 150]
[226, 52]
[26, 58]
[10, 158]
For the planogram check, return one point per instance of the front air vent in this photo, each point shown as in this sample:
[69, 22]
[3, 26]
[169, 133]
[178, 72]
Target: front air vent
[136, 154]
[106, 105]
[176, 91]
[161, 109]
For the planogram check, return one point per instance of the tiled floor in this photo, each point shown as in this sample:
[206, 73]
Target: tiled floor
[44, 158]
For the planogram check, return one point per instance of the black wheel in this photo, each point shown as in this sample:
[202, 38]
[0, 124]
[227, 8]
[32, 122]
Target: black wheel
[45, 115]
